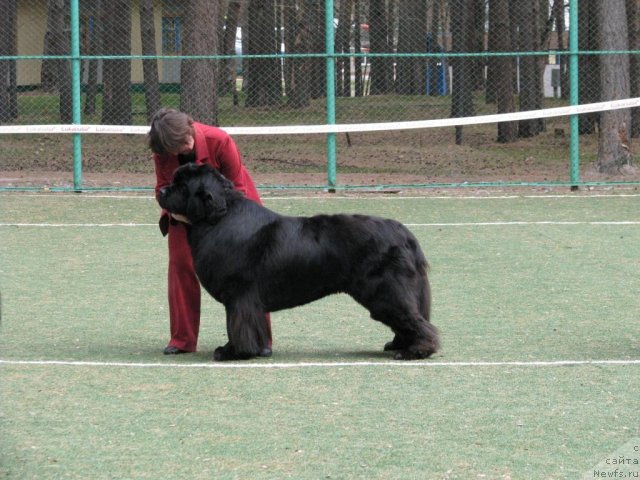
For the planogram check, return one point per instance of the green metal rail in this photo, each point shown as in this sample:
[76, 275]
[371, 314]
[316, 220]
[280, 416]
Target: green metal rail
[574, 168]
[76, 99]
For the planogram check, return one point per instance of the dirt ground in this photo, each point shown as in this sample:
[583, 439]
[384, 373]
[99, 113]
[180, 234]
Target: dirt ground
[388, 161]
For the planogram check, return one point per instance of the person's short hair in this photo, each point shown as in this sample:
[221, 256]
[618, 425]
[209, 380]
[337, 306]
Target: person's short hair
[169, 131]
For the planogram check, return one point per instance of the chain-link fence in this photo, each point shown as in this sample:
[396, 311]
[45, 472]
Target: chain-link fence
[264, 63]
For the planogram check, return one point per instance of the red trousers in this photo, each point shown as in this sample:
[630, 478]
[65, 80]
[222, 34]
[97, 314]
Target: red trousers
[184, 293]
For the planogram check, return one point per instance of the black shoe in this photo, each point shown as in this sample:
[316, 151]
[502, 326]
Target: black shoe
[265, 352]
[171, 350]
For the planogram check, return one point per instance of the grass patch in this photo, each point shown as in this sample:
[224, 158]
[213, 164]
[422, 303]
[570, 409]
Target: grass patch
[511, 293]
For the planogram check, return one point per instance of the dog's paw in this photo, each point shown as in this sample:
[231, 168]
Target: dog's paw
[395, 344]
[409, 354]
[228, 352]
[390, 346]
[225, 353]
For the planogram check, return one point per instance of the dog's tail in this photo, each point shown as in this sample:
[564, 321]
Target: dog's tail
[422, 267]
[430, 331]
[425, 300]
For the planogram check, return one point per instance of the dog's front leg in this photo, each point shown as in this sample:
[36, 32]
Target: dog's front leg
[225, 353]
[246, 330]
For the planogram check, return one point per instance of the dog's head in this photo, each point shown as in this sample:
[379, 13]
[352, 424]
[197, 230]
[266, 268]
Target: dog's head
[198, 192]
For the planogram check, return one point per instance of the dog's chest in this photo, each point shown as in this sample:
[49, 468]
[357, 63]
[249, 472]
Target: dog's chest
[218, 249]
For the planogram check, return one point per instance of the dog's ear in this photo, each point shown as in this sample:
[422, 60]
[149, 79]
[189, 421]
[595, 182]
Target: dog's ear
[204, 205]
[215, 206]
[196, 209]
[224, 181]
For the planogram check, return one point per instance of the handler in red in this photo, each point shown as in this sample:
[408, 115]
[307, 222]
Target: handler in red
[175, 139]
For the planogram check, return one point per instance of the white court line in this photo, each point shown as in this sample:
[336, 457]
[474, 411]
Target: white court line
[420, 364]
[455, 224]
[499, 224]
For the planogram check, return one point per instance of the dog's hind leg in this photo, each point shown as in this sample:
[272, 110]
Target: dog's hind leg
[406, 312]
[398, 343]
[424, 344]
[246, 329]
[415, 337]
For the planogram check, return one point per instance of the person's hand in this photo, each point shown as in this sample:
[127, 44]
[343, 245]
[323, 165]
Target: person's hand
[180, 218]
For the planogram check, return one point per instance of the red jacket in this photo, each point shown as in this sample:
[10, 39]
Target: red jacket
[215, 147]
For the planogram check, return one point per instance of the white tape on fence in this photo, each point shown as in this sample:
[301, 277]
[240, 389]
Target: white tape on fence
[347, 127]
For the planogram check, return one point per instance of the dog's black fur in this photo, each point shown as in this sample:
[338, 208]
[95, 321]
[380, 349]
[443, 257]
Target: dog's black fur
[254, 260]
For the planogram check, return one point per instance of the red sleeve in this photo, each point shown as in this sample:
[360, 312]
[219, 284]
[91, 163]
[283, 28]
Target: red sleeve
[230, 163]
[231, 166]
[215, 147]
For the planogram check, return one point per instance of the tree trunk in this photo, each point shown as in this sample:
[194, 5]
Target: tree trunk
[317, 79]
[381, 73]
[530, 71]
[498, 41]
[589, 69]
[56, 74]
[262, 74]
[48, 69]
[343, 69]
[116, 96]
[633, 21]
[462, 67]
[299, 86]
[198, 77]
[93, 12]
[558, 13]
[8, 45]
[614, 146]
[227, 74]
[290, 20]
[149, 67]
[479, 17]
[412, 38]
[434, 64]
[357, 46]
[500, 70]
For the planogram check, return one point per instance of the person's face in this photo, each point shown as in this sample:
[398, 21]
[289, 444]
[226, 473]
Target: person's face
[187, 146]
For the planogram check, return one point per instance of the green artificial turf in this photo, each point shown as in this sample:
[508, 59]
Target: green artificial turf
[508, 299]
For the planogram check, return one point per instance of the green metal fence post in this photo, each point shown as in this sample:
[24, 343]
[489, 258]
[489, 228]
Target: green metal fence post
[574, 98]
[76, 98]
[331, 94]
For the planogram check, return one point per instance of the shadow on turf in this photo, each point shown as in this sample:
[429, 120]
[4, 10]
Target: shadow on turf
[287, 356]
[205, 355]
[284, 354]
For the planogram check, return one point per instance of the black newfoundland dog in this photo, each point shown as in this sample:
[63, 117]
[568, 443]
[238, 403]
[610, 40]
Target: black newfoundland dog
[254, 260]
